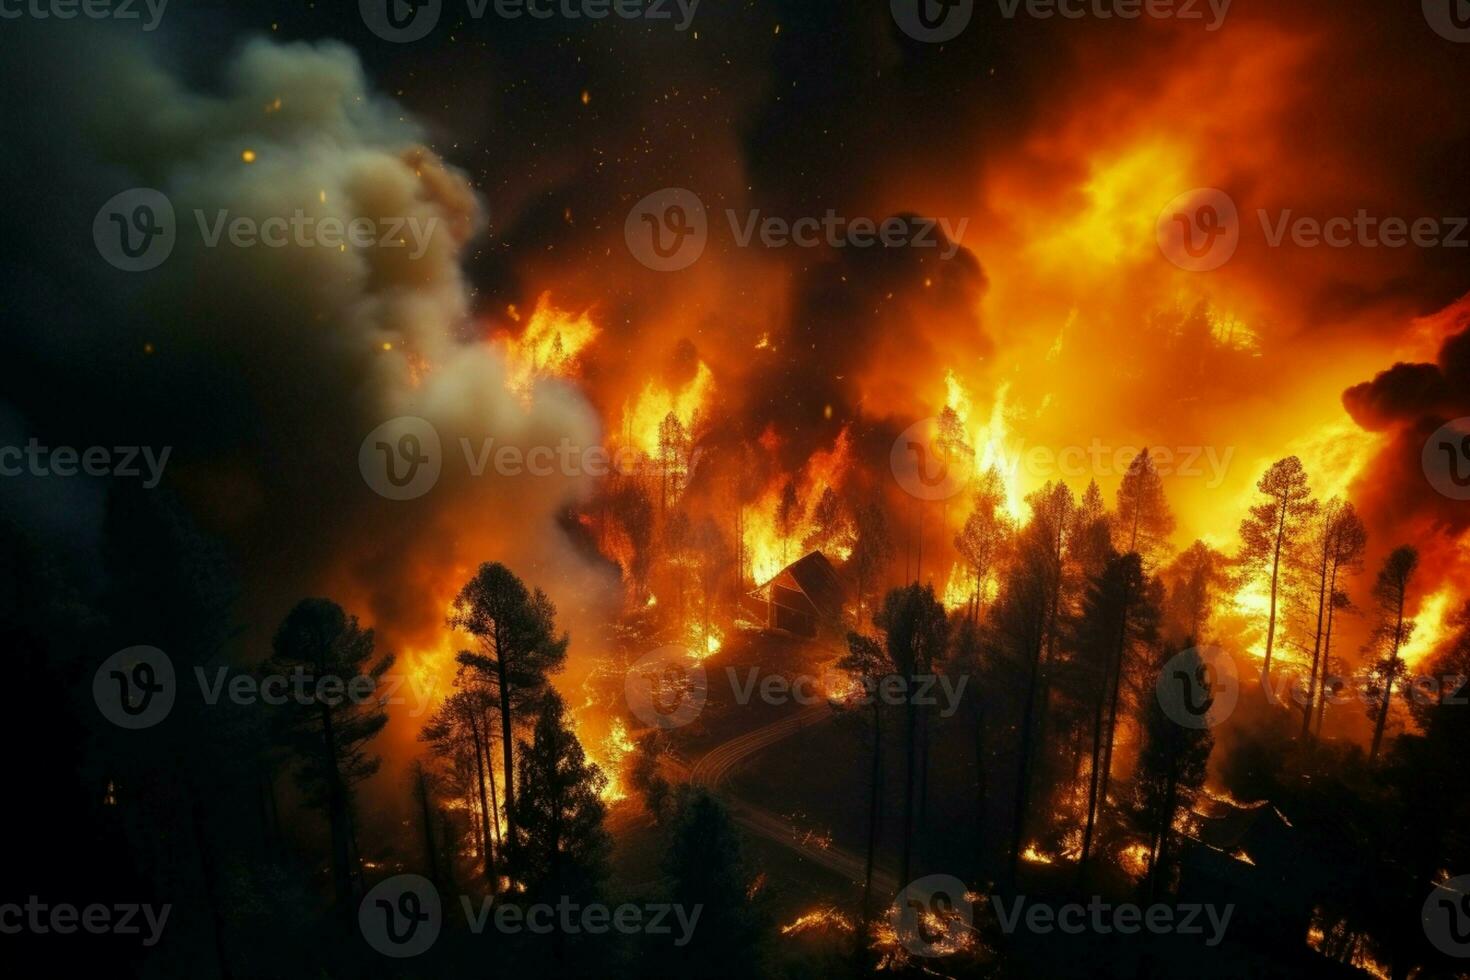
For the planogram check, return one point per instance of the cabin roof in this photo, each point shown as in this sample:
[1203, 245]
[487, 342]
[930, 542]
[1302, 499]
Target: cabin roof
[813, 576]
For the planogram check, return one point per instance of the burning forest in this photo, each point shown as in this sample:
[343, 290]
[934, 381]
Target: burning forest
[639, 489]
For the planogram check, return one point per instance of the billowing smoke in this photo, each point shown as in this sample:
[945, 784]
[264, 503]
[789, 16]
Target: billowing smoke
[264, 367]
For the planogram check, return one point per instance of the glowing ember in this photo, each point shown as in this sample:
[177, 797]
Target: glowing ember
[824, 917]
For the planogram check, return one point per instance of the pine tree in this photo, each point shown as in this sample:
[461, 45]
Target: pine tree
[708, 874]
[1194, 578]
[1337, 548]
[982, 540]
[561, 848]
[327, 730]
[872, 550]
[1393, 630]
[916, 636]
[866, 663]
[1272, 533]
[1119, 618]
[1028, 615]
[1144, 521]
[518, 650]
[1171, 769]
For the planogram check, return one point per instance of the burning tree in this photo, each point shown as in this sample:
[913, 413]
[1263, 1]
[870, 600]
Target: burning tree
[982, 540]
[460, 735]
[1272, 532]
[1195, 578]
[1144, 521]
[518, 651]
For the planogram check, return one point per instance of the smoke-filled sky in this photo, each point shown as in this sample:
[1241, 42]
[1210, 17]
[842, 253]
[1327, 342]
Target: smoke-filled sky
[1049, 147]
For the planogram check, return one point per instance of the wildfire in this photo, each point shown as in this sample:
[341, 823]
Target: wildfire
[1431, 626]
[549, 346]
[990, 440]
[704, 643]
[613, 749]
[1134, 860]
[822, 917]
[643, 420]
[780, 525]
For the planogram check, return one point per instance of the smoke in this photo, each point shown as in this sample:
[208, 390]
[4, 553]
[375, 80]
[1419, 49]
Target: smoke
[264, 368]
[1407, 403]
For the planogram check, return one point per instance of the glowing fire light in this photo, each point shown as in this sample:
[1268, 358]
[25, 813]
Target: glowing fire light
[823, 917]
[991, 441]
[644, 418]
[768, 549]
[1431, 626]
[548, 346]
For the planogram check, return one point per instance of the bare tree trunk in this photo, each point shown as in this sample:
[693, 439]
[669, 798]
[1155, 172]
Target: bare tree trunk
[1393, 660]
[1092, 784]
[478, 739]
[1322, 601]
[1023, 767]
[431, 852]
[336, 813]
[875, 812]
[910, 720]
[1275, 579]
[505, 739]
[1326, 663]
